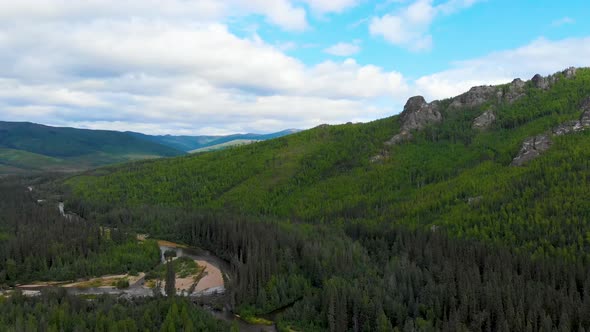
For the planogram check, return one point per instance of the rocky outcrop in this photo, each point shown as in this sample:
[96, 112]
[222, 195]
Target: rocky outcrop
[485, 120]
[570, 72]
[476, 96]
[513, 92]
[545, 83]
[540, 82]
[568, 128]
[575, 126]
[532, 148]
[417, 114]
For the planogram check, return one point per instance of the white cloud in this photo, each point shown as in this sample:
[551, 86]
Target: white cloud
[409, 27]
[563, 21]
[166, 74]
[331, 6]
[344, 49]
[541, 56]
[282, 13]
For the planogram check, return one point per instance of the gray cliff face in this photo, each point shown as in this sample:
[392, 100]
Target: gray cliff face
[540, 82]
[484, 121]
[578, 125]
[545, 83]
[417, 114]
[570, 72]
[568, 128]
[476, 96]
[532, 148]
[514, 92]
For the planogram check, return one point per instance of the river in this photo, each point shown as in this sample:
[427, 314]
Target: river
[218, 271]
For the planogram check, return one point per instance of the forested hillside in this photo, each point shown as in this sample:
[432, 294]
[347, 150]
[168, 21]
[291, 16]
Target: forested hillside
[38, 243]
[34, 147]
[209, 143]
[450, 175]
[466, 214]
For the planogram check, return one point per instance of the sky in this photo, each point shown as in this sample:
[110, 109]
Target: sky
[204, 67]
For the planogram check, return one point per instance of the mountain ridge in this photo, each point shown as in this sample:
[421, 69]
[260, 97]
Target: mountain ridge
[28, 146]
[189, 143]
[327, 174]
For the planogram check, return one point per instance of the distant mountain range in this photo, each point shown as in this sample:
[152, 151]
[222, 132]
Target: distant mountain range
[208, 143]
[26, 147]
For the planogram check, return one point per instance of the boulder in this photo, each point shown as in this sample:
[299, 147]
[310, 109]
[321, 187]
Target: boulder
[485, 120]
[532, 148]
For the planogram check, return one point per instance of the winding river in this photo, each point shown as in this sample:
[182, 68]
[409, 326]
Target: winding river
[218, 274]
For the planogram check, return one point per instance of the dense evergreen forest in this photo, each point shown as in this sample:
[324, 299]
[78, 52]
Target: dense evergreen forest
[450, 176]
[38, 244]
[440, 233]
[56, 311]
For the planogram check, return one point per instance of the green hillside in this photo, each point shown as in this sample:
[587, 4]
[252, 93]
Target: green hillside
[473, 217]
[28, 146]
[325, 175]
[208, 143]
[225, 145]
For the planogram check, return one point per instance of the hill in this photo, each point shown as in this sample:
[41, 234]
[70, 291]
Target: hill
[209, 143]
[225, 145]
[32, 147]
[429, 176]
[464, 214]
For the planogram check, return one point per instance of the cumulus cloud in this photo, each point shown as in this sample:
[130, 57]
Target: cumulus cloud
[344, 49]
[165, 73]
[409, 27]
[331, 6]
[541, 56]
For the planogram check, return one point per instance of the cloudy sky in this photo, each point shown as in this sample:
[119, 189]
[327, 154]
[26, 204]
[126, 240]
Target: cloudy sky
[226, 66]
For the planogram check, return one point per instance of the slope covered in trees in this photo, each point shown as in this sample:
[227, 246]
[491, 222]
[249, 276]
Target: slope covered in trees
[38, 243]
[450, 176]
[27, 146]
[209, 143]
[55, 311]
[331, 229]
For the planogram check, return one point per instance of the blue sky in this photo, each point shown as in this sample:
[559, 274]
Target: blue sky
[225, 66]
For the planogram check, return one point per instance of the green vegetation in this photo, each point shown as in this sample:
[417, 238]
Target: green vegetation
[32, 147]
[183, 267]
[442, 235]
[38, 244]
[324, 176]
[55, 311]
[24, 159]
[122, 283]
[192, 143]
[221, 146]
